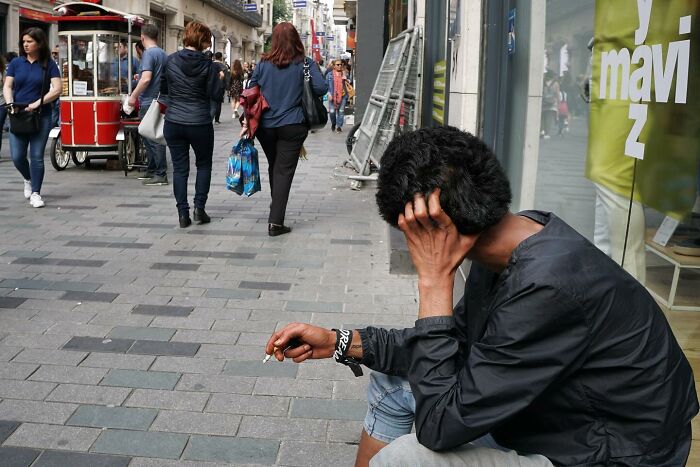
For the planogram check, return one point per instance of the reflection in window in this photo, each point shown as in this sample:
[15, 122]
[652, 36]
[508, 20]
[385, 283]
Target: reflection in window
[108, 65]
[82, 66]
[63, 63]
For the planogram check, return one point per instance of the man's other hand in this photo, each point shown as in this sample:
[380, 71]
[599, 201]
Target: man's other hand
[316, 342]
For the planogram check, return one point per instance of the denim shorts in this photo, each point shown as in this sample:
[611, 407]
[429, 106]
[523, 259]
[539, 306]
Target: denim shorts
[391, 407]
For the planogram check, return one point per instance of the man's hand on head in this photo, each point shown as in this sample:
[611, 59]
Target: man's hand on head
[436, 248]
[316, 342]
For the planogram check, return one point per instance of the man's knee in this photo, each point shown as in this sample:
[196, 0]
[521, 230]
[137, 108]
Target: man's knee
[402, 452]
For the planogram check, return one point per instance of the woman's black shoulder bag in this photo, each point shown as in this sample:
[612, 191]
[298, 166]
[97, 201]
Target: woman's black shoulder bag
[27, 122]
[315, 112]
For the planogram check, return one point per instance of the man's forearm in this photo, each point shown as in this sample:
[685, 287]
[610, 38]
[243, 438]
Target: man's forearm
[355, 346]
[435, 298]
[143, 83]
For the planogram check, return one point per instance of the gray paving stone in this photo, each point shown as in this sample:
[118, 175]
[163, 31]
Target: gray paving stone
[232, 293]
[90, 296]
[17, 457]
[200, 423]
[169, 400]
[13, 389]
[345, 241]
[26, 253]
[8, 353]
[327, 307]
[282, 428]
[254, 338]
[222, 449]
[80, 459]
[11, 302]
[301, 454]
[352, 389]
[96, 344]
[83, 394]
[258, 368]
[329, 409]
[53, 437]
[163, 310]
[141, 379]
[216, 383]
[294, 388]
[150, 462]
[183, 349]
[206, 336]
[68, 286]
[139, 443]
[54, 413]
[124, 362]
[175, 266]
[113, 417]
[83, 330]
[196, 365]
[182, 323]
[265, 285]
[249, 405]
[142, 333]
[16, 370]
[7, 427]
[344, 431]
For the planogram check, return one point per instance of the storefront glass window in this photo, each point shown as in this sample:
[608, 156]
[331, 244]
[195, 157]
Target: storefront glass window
[619, 136]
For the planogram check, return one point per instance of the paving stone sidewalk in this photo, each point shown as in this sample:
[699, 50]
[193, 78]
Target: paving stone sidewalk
[125, 340]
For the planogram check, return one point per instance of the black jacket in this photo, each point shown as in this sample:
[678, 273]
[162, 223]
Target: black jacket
[562, 354]
[189, 81]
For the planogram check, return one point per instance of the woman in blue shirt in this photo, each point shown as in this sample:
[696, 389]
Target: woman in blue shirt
[283, 129]
[25, 82]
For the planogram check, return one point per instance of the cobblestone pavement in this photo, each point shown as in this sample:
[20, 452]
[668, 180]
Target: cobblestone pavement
[125, 340]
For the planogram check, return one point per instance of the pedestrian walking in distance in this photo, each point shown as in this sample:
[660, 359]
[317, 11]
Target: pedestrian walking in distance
[218, 95]
[189, 82]
[236, 86]
[29, 77]
[337, 95]
[283, 128]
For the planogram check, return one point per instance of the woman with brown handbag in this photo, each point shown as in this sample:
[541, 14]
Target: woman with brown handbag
[28, 93]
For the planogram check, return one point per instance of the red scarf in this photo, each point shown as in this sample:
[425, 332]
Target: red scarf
[338, 87]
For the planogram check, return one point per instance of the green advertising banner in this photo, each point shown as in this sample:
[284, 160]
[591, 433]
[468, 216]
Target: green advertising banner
[645, 101]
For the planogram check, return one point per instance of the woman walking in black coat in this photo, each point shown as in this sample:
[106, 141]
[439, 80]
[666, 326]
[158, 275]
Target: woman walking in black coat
[283, 129]
[189, 81]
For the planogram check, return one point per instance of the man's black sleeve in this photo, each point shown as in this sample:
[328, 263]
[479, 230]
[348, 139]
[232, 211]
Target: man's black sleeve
[388, 351]
[530, 341]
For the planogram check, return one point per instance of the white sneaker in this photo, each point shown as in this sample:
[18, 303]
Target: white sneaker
[27, 189]
[36, 201]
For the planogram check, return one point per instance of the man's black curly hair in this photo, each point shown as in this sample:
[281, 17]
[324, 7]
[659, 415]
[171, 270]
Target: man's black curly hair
[475, 190]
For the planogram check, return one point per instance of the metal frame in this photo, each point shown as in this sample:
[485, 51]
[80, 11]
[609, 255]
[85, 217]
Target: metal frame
[404, 59]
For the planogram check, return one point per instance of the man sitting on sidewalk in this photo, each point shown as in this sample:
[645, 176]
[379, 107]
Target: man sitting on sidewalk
[554, 352]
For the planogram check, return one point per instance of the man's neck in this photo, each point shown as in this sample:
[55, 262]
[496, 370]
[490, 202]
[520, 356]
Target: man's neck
[149, 44]
[495, 246]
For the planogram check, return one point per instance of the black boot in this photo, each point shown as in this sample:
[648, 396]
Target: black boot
[185, 220]
[274, 230]
[200, 216]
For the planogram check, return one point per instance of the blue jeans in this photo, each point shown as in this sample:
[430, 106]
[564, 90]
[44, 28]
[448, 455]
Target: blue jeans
[34, 169]
[201, 139]
[338, 115]
[157, 164]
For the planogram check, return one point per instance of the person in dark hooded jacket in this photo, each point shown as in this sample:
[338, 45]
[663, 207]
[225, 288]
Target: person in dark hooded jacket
[189, 80]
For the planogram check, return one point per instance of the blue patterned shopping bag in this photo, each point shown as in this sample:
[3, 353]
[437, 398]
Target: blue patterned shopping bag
[243, 174]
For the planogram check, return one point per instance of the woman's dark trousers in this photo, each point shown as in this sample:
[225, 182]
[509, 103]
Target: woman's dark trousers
[282, 146]
[180, 138]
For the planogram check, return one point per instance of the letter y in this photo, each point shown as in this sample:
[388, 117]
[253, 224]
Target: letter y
[644, 12]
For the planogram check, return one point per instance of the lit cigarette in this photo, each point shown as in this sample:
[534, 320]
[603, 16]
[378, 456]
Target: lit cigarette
[292, 344]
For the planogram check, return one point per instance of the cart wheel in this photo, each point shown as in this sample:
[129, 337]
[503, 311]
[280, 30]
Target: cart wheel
[59, 157]
[123, 162]
[127, 152]
[79, 157]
